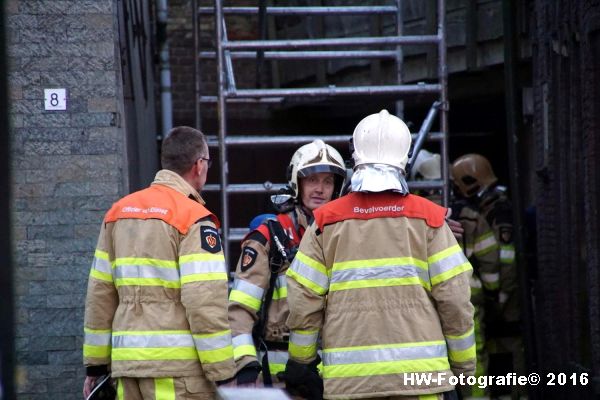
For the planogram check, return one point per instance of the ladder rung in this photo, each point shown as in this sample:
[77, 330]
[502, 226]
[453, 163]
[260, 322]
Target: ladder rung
[334, 11]
[213, 140]
[269, 187]
[231, 140]
[246, 188]
[306, 55]
[214, 99]
[334, 42]
[237, 234]
[419, 88]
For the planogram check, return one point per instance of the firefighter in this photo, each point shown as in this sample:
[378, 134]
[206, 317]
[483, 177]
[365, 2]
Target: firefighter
[156, 306]
[258, 300]
[480, 247]
[476, 181]
[380, 278]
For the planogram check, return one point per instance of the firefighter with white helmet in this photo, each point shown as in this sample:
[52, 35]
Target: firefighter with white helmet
[258, 302]
[386, 260]
[475, 179]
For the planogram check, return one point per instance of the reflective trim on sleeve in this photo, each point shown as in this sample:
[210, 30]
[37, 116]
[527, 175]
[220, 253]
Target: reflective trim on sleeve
[202, 267]
[358, 274]
[490, 280]
[462, 347]
[243, 345]
[485, 243]
[303, 344]
[101, 276]
[97, 337]
[164, 389]
[277, 360]
[96, 343]
[246, 293]
[214, 347]
[447, 264]
[309, 273]
[507, 254]
[385, 359]
[280, 291]
[101, 262]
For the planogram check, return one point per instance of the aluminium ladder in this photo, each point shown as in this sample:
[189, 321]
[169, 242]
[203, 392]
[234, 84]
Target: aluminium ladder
[300, 49]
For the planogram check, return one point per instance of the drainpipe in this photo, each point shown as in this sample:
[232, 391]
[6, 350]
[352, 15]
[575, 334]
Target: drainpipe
[165, 70]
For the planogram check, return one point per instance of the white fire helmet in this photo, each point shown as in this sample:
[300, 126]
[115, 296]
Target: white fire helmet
[427, 166]
[314, 158]
[381, 139]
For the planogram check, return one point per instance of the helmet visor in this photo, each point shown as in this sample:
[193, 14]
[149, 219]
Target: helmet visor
[319, 168]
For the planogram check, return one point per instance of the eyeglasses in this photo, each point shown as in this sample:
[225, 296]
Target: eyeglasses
[208, 161]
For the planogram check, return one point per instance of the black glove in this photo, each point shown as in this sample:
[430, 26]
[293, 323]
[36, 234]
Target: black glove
[249, 373]
[303, 379]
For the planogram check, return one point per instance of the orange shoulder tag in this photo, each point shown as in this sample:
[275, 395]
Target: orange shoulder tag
[358, 205]
[160, 202]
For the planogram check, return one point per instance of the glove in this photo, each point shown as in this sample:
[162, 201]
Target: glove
[248, 374]
[303, 379]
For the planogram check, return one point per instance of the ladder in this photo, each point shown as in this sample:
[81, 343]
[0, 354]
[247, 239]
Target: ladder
[226, 51]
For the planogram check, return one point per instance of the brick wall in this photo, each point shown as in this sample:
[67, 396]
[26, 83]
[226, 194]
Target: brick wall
[68, 167]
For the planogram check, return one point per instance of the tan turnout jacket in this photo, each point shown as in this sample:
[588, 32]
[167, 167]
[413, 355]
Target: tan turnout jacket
[250, 285]
[157, 294]
[381, 278]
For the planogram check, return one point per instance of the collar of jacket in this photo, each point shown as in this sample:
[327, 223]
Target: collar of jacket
[175, 181]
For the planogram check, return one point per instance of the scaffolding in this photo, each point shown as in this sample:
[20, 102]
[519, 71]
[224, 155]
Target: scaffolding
[226, 51]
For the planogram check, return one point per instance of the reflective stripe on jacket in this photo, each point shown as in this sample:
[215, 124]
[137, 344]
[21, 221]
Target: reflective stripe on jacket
[382, 280]
[157, 294]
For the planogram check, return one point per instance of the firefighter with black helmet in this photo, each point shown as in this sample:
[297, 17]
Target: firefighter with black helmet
[381, 280]
[475, 180]
[258, 300]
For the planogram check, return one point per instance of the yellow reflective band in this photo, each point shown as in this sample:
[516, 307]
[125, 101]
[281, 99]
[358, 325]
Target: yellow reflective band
[164, 389]
[201, 257]
[155, 353]
[147, 282]
[101, 276]
[380, 262]
[306, 282]
[101, 254]
[96, 331]
[211, 276]
[428, 397]
[120, 389]
[217, 355]
[148, 333]
[451, 273]
[462, 355]
[96, 351]
[385, 368]
[370, 283]
[155, 262]
[302, 352]
[244, 350]
[464, 335]
[280, 293]
[276, 368]
[314, 264]
[238, 296]
[444, 253]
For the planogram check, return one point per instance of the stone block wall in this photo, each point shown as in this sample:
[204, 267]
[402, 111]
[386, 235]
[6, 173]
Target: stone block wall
[68, 168]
